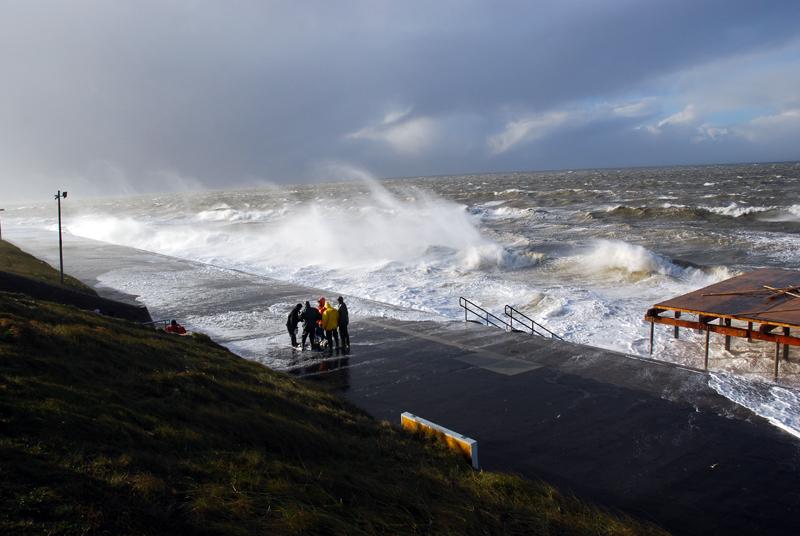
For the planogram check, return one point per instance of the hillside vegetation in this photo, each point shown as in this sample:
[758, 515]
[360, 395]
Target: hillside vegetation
[107, 427]
[16, 261]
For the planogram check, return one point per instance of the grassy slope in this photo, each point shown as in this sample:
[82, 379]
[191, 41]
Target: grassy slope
[107, 427]
[16, 261]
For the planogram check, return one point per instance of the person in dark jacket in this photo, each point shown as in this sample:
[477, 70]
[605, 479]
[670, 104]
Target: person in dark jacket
[292, 321]
[310, 317]
[344, 320]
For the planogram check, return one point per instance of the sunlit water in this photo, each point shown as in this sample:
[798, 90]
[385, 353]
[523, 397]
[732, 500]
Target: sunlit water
[585, 252]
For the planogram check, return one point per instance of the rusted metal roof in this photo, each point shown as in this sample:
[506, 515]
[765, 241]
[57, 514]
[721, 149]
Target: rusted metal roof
[746, 297]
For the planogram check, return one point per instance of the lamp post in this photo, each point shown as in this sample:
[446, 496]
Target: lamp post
[59, 195]
[1, 227]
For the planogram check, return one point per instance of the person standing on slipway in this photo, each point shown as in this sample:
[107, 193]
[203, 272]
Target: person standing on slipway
[344, 320]
[310, 319]
[291, 323]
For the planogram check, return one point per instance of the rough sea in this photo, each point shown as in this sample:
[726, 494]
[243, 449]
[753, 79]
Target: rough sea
[584, 252]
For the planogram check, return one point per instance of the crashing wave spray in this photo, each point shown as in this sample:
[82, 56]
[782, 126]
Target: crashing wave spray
[373, 231]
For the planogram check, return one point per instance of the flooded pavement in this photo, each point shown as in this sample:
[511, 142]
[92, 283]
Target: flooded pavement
[646, 437]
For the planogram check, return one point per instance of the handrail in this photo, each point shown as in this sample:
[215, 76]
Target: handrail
[481, 313]
[509, 311]
[154, 322]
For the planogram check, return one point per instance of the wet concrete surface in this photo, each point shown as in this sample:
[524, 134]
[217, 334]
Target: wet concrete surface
[642, 436]
[645, 437]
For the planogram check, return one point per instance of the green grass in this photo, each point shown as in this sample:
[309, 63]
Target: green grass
[16, 261]
[110, 428]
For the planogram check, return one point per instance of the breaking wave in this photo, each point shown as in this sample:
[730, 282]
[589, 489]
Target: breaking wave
[224, 213]
[382, 229]
[700, 213]
[633, 262]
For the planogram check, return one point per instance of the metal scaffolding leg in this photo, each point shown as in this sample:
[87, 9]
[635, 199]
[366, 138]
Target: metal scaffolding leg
[786, 346]
[708, 335]
[727, 337]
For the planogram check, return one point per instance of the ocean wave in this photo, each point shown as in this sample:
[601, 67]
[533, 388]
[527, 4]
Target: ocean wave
[735, 210]
[500, 211]
[616, 255]
[508, 213]
[632, 262]
[386, 229]
[494, 256]
[232, 215]
[666, 211]
[511, 191]
[669, 211]
[785, 214]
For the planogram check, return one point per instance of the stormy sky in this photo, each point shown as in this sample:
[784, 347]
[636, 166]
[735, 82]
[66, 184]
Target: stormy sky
[109, 98]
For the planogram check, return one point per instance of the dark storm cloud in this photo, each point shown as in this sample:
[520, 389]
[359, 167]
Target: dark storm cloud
[118, 96]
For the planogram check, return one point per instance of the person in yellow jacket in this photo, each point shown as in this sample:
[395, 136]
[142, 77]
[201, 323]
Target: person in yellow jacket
[330, 321]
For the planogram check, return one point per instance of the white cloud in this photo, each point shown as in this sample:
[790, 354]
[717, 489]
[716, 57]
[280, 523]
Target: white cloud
[770, 127]
[530, 128]
[404, 134]
[724, 92]
[685, 116]
[640, 108]
[747, 81]
[707, 132]
[527, 129]
[396, 115]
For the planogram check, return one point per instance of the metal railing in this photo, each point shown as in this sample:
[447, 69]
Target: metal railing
[155, 323]
[484, 315]
[534, 327]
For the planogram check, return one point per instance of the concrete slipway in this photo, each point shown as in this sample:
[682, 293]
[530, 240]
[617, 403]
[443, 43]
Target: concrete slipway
[645, 437]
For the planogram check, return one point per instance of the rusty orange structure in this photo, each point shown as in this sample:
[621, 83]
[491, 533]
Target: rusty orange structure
[762, 305]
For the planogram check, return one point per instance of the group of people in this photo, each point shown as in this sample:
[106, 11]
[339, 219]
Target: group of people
[323, 325]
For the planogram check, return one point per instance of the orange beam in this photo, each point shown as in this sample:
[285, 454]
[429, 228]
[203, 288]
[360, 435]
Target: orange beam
[725, 330]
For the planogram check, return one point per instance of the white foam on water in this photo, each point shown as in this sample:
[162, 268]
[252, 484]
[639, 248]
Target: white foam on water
[785, 214]
[227, 214]
[385, 229]
[779, 405]
[735, 210]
